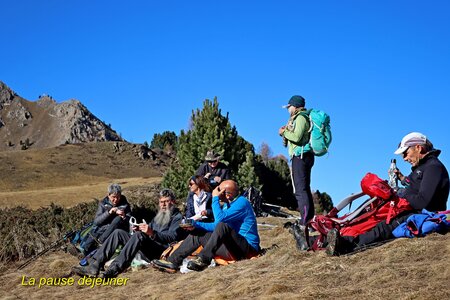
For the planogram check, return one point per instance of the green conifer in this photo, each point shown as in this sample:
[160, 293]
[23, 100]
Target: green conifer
[246, 175]
[209, 129]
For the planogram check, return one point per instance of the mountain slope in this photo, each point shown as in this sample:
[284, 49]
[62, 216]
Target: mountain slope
[46, 123]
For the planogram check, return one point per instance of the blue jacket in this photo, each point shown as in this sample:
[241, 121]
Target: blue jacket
[239, 215]
[422, 224]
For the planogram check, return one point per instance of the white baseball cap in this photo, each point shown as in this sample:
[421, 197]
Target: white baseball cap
[411, 139]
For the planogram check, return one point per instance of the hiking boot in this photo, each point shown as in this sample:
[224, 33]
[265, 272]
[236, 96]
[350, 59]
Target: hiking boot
[112, 272]
[88, 271]
[334, 243]
[164, 265]
[299, 235]
[197, 264]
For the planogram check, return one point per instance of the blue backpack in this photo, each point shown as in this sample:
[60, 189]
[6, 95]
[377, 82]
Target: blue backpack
[320, 131]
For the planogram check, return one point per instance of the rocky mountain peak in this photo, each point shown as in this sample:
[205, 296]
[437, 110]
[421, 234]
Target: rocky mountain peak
[45, 123]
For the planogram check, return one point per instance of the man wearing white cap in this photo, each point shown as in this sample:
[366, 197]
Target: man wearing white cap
[426, 187]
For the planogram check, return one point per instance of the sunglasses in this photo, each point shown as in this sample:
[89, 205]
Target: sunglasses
[191, 183]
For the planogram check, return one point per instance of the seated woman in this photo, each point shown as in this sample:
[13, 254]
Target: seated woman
[198, 204]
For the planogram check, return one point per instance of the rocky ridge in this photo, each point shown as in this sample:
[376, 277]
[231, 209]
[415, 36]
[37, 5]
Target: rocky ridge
[45, 123]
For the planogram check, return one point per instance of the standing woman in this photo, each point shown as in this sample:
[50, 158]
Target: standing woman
[198, 204]
[296, 134]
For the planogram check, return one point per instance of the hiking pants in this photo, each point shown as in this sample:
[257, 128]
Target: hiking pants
[381, 232]
[301, 176]
[102, 233]
[139, 241]
[223, 242]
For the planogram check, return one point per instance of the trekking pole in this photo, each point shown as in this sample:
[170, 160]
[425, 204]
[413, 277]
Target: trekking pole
[54, 245]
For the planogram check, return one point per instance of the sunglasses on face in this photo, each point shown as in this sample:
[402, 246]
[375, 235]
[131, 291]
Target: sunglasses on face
[191, 183]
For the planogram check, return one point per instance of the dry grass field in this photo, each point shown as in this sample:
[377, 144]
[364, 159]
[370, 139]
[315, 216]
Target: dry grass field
[401, 269]
[69, 196]
[70, 174]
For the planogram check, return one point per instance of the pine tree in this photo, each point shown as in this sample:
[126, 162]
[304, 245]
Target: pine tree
[276, 181]
[209, 129]
[246, 175]
[165, 140]
[323, 203]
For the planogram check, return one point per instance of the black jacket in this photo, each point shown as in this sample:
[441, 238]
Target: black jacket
[428, 184]
[220, 170]
[102, 217]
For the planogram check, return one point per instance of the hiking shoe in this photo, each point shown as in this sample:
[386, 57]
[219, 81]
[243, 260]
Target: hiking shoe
[164, 265]
[333, 240]
[300, 237]
[197, 264]
[112, 272]
[88, 271]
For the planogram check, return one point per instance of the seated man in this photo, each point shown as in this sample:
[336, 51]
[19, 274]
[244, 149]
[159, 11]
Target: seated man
[213, 169]
[113, 212]
[150, 239]
[426, 187]
[232, 236]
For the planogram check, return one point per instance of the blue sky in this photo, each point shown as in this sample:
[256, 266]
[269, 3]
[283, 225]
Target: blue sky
[381, 69]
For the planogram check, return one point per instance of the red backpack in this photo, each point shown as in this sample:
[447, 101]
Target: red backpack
[383, 205]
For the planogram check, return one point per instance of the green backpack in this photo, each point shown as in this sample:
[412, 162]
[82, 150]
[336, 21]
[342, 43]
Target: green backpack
[320, 131]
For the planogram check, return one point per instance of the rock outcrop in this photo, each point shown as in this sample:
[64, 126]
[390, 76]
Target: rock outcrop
[45, 123]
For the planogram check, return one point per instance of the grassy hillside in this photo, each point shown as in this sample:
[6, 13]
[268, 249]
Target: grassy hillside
[402, 269]
[70, 174]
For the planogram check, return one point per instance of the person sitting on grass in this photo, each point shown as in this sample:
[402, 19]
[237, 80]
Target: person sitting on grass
[427, 186]
[150, 240]
[232, 236]
[198, 204]
[213, 169]
[113, 213]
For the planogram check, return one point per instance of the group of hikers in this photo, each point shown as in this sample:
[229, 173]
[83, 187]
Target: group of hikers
[220, 223]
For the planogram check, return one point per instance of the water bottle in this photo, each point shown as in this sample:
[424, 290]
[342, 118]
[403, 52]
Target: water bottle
[393, 179]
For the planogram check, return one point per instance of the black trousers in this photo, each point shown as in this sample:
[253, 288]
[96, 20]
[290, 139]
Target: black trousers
[139, 241]
[381, 232]
[301, 175]
[102, 233]
[223, 242]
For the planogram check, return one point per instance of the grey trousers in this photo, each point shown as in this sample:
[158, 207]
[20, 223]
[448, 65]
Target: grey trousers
[132, 244]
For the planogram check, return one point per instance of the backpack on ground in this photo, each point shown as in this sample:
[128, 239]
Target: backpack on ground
[255, 197]
[383, 205]
[320, 131]
[82, 235]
